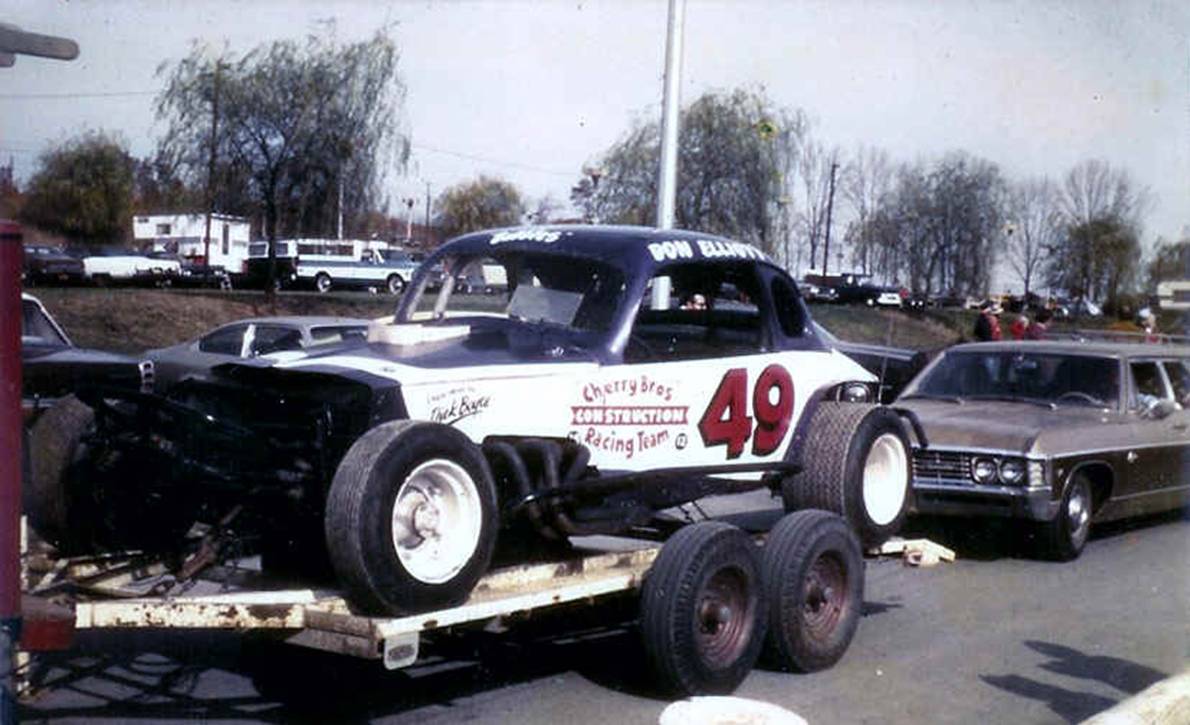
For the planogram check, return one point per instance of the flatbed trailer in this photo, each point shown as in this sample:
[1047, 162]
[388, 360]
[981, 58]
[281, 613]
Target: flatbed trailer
[705, 607]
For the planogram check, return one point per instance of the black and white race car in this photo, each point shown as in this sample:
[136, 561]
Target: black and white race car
[622, 371]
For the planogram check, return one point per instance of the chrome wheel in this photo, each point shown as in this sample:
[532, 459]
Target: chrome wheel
[436, 521]
[1078, 512]
[886, 479]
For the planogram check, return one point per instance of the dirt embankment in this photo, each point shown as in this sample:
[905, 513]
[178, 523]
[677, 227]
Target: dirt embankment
[132, 320]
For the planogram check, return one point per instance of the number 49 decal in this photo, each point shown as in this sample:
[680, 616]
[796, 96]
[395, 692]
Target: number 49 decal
[726, 420]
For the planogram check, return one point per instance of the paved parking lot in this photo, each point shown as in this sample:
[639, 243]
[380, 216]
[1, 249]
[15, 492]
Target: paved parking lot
[994, 637]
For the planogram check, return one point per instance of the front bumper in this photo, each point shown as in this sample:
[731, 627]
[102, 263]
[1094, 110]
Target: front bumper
[959, 498]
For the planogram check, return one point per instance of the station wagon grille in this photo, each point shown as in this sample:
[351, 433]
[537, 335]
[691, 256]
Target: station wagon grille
[936, 465]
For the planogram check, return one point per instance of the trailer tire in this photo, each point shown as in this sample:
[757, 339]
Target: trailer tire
[411, 518]
[814, 584]
[702, 613]
[53, 500]
[856, 464]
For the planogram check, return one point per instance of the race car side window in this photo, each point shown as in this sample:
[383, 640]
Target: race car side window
[789, 313]
[712, 311]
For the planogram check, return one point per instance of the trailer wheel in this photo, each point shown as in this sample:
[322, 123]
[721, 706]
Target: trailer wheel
[322, 282]
[395, 284]
[54, 499]
[702, 614]
[814, 585]
[856, 464]
[411, 518]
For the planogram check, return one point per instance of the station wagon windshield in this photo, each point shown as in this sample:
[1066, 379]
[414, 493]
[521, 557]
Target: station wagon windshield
[569, 291]
[1048, 378]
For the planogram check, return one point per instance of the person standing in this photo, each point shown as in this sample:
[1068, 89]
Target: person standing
[987, 325]
[1019, 327]
[1036, 331]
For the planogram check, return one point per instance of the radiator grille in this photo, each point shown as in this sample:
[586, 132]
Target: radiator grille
[937, 465]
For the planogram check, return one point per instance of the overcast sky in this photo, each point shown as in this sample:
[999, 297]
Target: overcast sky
[531, 91]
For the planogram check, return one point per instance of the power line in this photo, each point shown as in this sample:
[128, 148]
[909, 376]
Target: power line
[489, 160]
[71, 95]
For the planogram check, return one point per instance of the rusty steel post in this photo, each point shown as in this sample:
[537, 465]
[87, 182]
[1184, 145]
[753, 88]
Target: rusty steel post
[10, 463]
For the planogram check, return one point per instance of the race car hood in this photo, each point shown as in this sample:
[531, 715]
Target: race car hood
[1000, 426]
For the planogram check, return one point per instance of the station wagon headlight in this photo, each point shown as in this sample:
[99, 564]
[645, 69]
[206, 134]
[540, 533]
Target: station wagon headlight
[983, 470]
[1012, 471]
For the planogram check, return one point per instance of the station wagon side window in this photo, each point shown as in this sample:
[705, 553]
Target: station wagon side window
[712, 310]
[224, 341]
[1179, 379]
[1147, 383]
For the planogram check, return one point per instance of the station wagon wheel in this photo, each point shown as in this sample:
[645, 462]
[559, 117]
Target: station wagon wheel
[1064, 537]
[322, 282]
[411, 518]
[395, 284]
[814, 583]
[702, 613]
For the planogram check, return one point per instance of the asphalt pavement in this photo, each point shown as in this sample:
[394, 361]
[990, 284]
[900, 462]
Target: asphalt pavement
[994, 637]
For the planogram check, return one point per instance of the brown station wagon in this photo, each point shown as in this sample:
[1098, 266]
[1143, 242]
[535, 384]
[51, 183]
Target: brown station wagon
[1057, 433]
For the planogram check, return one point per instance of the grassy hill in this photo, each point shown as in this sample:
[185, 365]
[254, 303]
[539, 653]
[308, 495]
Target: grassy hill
[131, 320]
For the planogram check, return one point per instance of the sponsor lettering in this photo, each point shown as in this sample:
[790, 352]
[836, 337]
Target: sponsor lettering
[454, 405]
[545, 236]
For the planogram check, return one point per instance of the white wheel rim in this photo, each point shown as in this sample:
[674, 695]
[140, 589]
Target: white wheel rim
[886, 479]
[436, 520]
[323, 284]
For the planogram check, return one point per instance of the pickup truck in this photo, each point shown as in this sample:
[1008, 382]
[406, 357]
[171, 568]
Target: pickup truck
[390, 270]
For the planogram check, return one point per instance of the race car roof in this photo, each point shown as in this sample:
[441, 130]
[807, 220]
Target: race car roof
[636, 248]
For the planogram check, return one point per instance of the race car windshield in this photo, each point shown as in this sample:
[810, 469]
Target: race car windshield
[567, 291]
[1049, 378]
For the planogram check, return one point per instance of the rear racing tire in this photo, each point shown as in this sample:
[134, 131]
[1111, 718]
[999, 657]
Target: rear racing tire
[394, 284]
[1063, 537]
[322, 282]
[702, 613]
[814, 584]
[411, 518]
[856, 464]
[54, 499]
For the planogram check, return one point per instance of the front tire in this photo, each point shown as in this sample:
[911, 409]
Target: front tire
[814, 584]
[55, 498]
[856, 464]
[411, 518]
[322, 282]
[1063, 538]
[702, 613]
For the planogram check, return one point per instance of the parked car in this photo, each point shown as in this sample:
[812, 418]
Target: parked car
[581, 399]
[52, 367]
[1058, 434]
[120, 266]
[388, 269]
[251, 338]
[51, 265]
[893, 367]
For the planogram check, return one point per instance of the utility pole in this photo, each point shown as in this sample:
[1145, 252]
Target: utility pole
[667, 171]
[830, 203]
[408, 220]
[206, 247]
[427, 211]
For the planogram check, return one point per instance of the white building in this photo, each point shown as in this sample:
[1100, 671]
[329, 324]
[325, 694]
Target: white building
[183, 234]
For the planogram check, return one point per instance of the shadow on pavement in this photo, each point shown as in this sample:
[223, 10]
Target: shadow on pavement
[1076, 705]
[988, 539]
[214, 676]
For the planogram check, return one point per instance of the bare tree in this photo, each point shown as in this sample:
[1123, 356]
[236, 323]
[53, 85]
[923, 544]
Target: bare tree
[1033, 228]
[866, 181]
[736, 155]
[814, 171]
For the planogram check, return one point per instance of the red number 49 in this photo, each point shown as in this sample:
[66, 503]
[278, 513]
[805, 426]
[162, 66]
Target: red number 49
[726, 420]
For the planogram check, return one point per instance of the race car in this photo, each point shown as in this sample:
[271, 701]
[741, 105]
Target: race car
[620, 372]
